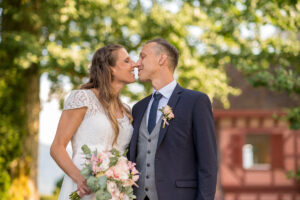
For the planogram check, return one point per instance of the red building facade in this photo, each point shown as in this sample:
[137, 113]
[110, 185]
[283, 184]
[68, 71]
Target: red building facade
[256, 147]
[256, 151]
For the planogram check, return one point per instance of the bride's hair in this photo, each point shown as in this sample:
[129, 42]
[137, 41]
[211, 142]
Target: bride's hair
[101, 78]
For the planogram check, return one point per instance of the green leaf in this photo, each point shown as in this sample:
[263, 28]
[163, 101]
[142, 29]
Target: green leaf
[86, 150]
[102, 182]
[294, 118]
[86, 172]
[113, 161]
[128, 190]
[93, 183]
[103, 195]
[115, 152]
[125, 153]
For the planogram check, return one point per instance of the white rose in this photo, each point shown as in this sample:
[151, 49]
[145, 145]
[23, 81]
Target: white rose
[126, 197]
[105, 164]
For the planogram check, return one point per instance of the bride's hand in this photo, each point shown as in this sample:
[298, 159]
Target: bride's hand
[82, 187]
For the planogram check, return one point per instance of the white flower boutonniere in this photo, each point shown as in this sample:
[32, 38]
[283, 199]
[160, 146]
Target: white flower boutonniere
[167, 114]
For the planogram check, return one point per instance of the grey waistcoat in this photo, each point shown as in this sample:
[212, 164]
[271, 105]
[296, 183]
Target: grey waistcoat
[146, 149]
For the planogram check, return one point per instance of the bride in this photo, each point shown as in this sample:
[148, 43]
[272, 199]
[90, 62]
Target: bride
[95, 116]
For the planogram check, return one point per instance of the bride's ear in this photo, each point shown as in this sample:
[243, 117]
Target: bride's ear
[162, 59]
[113, 70]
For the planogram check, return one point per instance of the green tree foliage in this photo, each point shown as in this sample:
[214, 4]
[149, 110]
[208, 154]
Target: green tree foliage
[130, 24]
[11, 124]
[260, 38]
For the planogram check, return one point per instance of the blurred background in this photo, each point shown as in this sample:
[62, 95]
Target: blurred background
[245, 54]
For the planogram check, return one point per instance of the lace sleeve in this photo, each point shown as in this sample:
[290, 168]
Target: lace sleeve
[77, 99]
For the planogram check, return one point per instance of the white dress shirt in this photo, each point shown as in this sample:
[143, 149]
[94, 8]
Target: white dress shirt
[166, 93]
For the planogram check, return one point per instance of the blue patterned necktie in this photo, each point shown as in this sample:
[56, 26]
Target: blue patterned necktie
[153, 112]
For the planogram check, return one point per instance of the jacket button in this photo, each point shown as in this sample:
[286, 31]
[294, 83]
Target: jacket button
[148, 165]
[147, 177]
[149, 140]
[148, 152]
[146, 189]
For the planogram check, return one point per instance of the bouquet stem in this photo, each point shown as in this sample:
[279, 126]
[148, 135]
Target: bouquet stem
[74, 196]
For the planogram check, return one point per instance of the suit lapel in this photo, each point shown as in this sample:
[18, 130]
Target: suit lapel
[172, 103]
[137, 123]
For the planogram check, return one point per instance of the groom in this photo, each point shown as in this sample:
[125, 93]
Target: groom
[177, 161]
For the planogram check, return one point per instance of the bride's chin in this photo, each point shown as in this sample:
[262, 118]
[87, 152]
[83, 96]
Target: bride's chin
[132, 79]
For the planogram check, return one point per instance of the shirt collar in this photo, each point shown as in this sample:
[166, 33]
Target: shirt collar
[167, 90]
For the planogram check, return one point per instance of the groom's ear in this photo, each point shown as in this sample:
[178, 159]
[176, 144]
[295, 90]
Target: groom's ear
[162, 59]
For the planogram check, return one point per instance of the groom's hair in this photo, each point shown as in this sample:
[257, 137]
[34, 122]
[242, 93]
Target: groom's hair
[168, 48]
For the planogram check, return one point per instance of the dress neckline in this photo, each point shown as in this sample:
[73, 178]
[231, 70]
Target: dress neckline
[119, 119]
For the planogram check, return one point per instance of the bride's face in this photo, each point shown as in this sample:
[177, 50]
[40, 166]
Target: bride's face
[123, 71]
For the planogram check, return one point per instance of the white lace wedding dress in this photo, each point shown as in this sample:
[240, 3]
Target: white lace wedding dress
[95, 131]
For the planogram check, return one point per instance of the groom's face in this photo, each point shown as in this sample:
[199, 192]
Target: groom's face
[148, 63]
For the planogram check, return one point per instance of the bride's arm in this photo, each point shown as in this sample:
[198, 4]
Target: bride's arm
[68, 124]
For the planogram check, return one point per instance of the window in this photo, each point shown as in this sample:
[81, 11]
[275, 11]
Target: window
[256, 152]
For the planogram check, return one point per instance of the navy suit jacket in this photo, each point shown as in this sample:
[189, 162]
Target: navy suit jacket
[186, 155]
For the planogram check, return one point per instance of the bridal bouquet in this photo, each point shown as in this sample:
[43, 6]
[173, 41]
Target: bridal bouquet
[109, 175]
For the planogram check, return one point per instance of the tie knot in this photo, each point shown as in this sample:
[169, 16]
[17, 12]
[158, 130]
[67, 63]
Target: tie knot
[157, 96]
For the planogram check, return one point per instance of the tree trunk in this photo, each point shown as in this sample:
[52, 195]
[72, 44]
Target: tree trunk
[30, 143]
[17, 18]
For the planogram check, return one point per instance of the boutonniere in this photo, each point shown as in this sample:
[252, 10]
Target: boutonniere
[167, 114]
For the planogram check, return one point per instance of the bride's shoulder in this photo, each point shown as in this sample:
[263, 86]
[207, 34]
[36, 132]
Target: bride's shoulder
[76, 99]
[78, 94]
[78, 91]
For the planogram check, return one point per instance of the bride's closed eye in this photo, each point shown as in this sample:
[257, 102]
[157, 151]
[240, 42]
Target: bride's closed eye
[127, 60]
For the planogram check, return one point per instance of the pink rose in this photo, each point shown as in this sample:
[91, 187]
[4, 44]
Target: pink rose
[134, 171]
[135, 178]
[124, 197]
[93, 158]
[96, 169]
[113, 189]
[171, 115]
[122, 169]
[131, 165]
[109, 173]
[167, 110]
